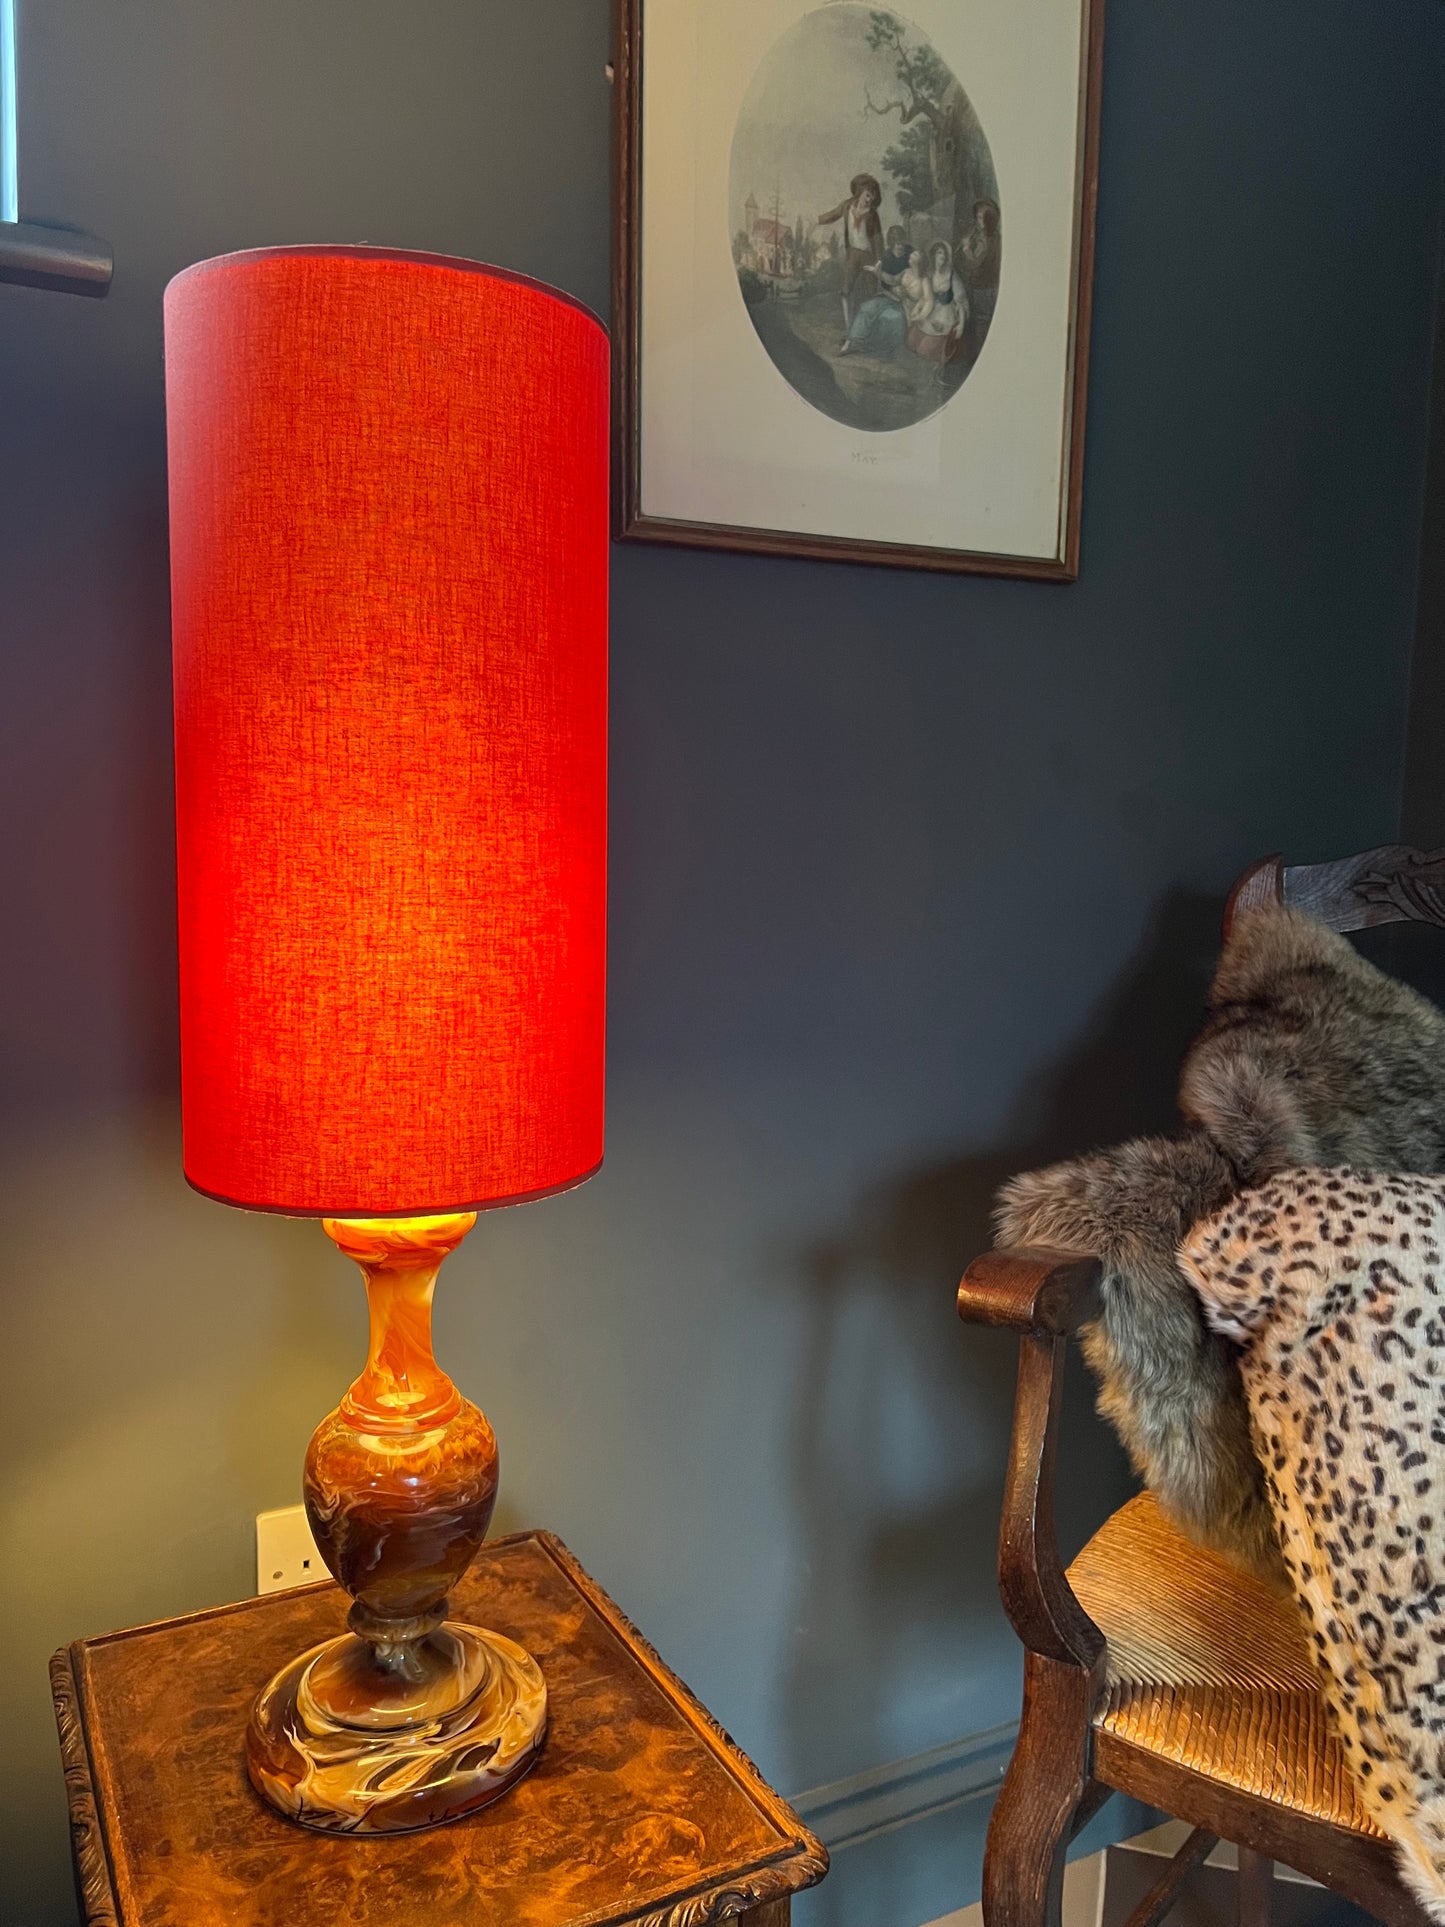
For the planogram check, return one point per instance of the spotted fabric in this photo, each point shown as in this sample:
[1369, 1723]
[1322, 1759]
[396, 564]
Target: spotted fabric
[1333, 1284]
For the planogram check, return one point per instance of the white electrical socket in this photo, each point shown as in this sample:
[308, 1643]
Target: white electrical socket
[286, 1554]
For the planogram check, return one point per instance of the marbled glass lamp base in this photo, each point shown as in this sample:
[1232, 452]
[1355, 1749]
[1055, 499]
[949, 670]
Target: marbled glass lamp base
[410, 1718]
[389, 1779]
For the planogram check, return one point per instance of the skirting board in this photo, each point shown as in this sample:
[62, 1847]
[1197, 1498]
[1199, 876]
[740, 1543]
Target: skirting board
[850, 1811]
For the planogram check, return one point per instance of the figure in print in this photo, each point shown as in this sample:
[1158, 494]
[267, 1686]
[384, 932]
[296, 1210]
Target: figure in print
[879, 327]
[979, 255]
[862, 236]
[938, 333]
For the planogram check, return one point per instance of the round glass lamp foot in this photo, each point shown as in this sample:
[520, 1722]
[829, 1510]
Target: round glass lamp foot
[438, 1737]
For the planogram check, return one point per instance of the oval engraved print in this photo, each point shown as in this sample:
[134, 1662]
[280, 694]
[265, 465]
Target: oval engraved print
[866, 224]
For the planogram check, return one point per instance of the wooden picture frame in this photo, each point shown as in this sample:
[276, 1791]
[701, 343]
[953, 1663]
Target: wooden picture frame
[648, 521]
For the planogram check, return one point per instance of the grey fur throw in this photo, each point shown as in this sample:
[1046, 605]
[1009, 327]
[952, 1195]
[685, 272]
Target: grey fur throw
[1309, 1056]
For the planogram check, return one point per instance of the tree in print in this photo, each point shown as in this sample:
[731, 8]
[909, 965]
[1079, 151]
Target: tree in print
[940, 151]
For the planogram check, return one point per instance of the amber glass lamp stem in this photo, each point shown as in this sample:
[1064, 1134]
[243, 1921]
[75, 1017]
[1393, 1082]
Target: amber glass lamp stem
[411, 1717]
[400, 1479]
[402, 1386]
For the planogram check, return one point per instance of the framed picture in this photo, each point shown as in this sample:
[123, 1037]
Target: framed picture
[853, 256]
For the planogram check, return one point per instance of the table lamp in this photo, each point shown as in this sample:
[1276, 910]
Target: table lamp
[388, 498]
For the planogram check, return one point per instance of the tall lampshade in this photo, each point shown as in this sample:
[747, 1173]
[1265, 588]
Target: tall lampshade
[389, 575]
[388, 481]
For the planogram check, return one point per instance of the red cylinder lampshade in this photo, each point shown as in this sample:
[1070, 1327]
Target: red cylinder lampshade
[388, 482]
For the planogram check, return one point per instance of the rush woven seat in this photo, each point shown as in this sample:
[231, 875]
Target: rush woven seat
[1210, 1668]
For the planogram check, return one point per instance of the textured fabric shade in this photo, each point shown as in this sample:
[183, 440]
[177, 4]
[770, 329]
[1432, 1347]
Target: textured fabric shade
[388, 482]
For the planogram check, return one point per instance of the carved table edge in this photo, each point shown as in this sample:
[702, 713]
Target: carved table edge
[740, 1894]
[93, 1876]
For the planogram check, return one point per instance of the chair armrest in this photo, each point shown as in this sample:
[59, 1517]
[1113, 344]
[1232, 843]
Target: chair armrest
[1044, 1296]
[1029, 1289]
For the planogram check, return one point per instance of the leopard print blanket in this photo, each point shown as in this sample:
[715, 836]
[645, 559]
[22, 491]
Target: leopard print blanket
[1333, 1285]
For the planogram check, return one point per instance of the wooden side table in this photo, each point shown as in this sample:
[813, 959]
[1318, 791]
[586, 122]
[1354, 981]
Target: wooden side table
[640, 1811]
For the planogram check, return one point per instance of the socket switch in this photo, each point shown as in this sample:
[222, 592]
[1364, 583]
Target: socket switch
[286, 1554]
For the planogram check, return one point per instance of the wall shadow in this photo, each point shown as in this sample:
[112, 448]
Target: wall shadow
[919, 1569]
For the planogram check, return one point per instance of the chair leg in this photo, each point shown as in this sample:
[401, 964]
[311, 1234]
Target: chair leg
[1256, 1888]
[1047, 1781]
[1165, 1891]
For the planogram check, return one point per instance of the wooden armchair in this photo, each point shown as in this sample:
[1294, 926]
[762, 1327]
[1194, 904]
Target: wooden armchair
[1153, 1667]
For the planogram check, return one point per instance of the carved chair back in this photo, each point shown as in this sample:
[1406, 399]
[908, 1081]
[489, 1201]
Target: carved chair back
[1393, 884]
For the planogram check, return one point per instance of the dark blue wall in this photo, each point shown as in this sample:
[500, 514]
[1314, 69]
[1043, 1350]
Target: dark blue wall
[916, 877]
